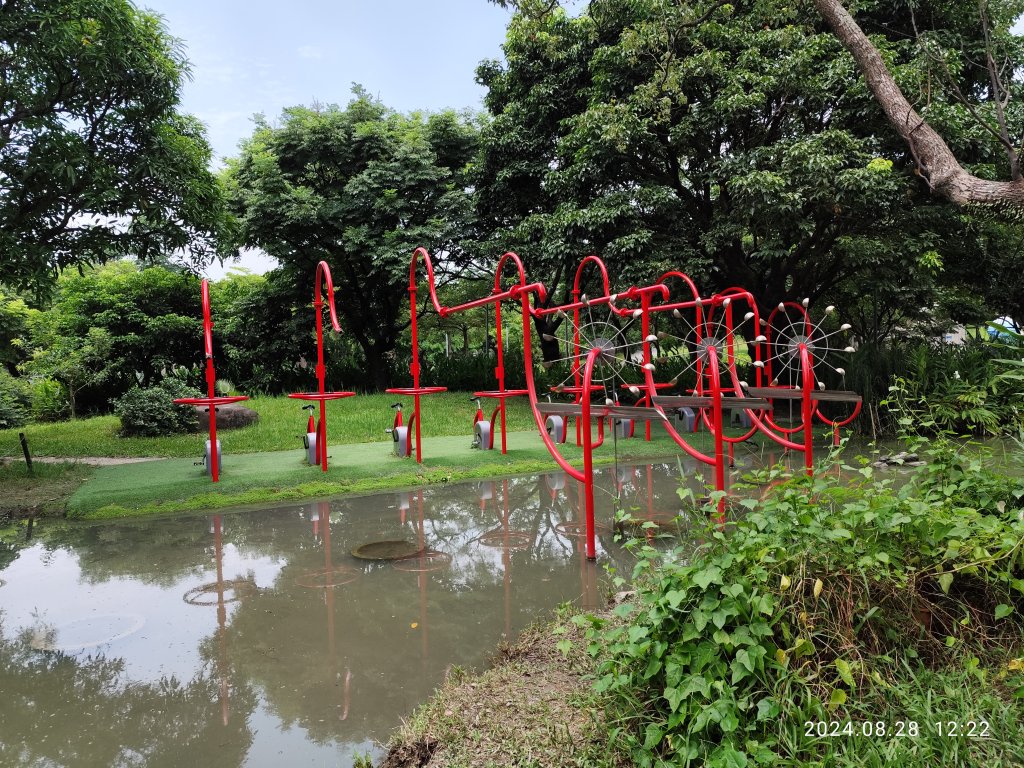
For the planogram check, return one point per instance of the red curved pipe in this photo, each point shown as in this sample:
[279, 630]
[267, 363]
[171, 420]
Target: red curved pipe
[323, 275]
[588, 451]
[211, 401]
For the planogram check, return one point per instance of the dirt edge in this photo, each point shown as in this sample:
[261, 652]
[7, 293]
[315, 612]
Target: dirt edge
[534, 706]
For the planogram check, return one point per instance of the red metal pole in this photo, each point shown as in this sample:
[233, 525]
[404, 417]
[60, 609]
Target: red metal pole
[321, 376]
[499, 373]
[211, 379]
[588, 451]
[807, 407]
[716, 416]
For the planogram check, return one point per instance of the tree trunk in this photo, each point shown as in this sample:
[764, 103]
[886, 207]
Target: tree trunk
[549, 348]
[936, 162]
[378, 368]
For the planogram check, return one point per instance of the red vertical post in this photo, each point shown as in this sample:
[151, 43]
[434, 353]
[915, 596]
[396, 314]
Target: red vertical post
[321, 377]
[645, 329]
[807, 410]
[211, 379]
[588, 451]
[414, 366]
[716, 420]
[499, 370]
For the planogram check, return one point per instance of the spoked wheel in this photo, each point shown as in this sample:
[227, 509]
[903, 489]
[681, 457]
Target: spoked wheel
[791, 326]
[616, 337]
[800, 358]
[682, 342]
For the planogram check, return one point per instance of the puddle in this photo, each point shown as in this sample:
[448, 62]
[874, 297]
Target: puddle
[257, 639]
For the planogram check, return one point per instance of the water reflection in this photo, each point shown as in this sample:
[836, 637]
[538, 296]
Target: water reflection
[255, 638]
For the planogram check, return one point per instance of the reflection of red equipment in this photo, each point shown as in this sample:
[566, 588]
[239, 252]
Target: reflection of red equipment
[323, 275]
[211, 401]
[324, 513]
[222, 615]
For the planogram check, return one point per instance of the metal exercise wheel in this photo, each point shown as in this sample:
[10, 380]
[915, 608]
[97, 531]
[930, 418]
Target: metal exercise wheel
[555, 426]
[207, 458]
[791, 328]
[482, 435]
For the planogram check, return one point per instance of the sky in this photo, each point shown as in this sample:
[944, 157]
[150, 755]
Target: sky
[255, 56]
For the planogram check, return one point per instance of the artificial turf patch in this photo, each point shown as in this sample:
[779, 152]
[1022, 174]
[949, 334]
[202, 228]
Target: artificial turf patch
[176, 485]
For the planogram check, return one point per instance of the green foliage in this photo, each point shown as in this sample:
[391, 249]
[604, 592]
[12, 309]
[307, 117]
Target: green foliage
[96, 161]
[818, 599]
[731, 140]
[961, 389]
[15, 399]
[49, 400]
[15, 318]
[263, 333]
[115, 327]
[359, 187]
[151, 412]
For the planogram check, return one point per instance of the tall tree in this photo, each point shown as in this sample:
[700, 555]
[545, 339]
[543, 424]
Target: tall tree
[95, 160]
[999, 59]
[111, 328]
[361, 188]
[730, 140]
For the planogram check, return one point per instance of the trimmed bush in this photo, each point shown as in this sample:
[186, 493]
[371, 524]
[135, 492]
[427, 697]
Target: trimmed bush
[151, 412]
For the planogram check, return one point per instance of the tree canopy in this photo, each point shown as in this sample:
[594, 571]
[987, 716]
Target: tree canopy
[359, 187]
[730, 140]
[95, 160]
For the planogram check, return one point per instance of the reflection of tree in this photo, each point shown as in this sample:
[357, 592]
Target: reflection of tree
[162, 552]
[8, 553]
[63, 710]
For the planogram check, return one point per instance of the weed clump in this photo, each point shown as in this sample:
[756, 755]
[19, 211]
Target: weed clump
[829, 622]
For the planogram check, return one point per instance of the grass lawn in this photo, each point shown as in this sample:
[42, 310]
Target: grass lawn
[175, 485]
[360, 419]
[265, 461]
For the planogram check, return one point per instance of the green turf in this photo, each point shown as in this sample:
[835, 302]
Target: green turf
[359, 419]
[175, 485]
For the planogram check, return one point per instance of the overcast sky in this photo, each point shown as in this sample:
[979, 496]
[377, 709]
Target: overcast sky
[256, 56]
[251, 56]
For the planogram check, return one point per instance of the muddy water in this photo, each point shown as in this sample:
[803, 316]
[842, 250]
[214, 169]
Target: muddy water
[255, 638]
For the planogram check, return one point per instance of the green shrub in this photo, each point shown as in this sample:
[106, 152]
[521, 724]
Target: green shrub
[151, 412]
[813, 606]
[49, 400]
[15, 398]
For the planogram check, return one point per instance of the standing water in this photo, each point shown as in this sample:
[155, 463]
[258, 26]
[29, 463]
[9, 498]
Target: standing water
[256, 638]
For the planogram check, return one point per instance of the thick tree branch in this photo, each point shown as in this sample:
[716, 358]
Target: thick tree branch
[936, 161]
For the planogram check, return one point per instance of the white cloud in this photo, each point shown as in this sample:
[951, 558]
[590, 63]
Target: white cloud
[310, 52]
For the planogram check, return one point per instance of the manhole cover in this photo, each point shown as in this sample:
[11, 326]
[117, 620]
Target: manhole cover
[386, 550]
